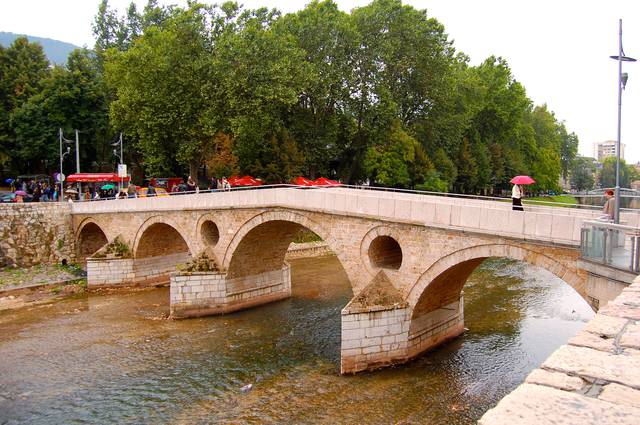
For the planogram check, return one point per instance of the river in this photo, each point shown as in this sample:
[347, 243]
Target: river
[115, 358]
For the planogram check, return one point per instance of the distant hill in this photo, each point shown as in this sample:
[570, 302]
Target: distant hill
[56, 51]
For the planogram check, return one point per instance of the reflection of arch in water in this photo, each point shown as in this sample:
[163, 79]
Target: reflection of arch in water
[90, 239]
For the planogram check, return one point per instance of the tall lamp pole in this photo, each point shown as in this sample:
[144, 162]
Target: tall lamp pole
[120, 158]
[62, 155]
[622, 82]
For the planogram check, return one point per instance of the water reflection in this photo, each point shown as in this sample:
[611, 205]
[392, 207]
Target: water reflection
[114, 358]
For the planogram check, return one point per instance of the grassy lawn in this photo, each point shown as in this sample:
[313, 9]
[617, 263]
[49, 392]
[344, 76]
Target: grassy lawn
[563, 199]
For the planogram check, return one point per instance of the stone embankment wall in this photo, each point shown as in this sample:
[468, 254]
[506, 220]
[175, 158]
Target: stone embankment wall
[36, 233]
[593, 379]
[308, 250]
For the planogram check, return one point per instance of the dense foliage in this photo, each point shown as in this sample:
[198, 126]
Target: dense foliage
[378, 94]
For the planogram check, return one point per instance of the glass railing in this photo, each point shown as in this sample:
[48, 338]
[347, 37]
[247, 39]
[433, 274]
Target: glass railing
[611, 244]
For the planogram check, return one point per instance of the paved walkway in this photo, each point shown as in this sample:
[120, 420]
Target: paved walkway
[594, 379]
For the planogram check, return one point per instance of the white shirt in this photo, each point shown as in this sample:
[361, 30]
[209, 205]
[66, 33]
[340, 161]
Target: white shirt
[515, 192]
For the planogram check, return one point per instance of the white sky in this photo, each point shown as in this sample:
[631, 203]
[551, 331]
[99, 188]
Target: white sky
[558, 49]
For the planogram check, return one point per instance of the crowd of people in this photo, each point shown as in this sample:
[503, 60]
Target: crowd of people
[32, 190]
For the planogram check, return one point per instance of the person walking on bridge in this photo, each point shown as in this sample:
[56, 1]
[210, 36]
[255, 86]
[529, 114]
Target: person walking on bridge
[516, 198]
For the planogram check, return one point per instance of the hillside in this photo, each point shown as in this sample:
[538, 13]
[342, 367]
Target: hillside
[56, 51]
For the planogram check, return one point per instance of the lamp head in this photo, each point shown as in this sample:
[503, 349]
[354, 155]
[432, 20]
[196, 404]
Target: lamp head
[623, 79]
[68, 149]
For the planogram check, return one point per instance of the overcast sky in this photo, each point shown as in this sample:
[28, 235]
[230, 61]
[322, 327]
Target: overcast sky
[558, 49]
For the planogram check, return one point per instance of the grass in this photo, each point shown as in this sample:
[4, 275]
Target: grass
[563, 199]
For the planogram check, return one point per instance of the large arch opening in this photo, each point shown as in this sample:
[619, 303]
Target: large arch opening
[508, 312]
[159, 250]
[90, 240]
[309, 319]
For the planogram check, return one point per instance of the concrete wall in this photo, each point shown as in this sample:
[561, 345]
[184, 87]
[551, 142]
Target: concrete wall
[36, 233]
[196, 294]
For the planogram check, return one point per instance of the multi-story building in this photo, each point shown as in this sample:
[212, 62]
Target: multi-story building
[601, 150]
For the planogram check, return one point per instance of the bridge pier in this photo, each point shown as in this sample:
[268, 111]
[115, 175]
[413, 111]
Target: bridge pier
[379, 336]
[122, 272]
[195, 294]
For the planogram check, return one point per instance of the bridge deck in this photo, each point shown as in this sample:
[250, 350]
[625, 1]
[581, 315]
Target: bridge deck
[536, 223]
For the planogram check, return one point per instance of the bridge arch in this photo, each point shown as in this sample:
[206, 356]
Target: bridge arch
[262, 242]
[442, 283]
[160, 236]
[90, 238]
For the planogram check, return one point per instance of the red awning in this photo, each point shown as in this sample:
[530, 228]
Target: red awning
[246, 181]
[302, 181]
[322, 181]
[95, 178]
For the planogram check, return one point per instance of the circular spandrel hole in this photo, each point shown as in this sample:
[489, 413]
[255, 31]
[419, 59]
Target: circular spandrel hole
[210, 233]
[385, 252]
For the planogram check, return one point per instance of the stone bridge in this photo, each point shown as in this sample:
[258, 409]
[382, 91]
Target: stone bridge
[407, 256]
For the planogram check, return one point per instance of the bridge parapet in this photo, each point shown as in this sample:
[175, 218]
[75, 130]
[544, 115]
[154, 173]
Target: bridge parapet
[545, 224]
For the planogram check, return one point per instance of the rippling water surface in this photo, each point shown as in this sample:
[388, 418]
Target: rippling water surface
[114, 358]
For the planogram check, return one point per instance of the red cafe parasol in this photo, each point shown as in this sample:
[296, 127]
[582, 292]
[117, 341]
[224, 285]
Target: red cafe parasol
[522, 180]
[301, 181]
[321, 181]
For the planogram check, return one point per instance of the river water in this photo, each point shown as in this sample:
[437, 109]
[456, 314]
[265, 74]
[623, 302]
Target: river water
[115, 358]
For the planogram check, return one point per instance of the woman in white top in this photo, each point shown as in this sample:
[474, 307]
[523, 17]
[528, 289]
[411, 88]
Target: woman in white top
[516, 198]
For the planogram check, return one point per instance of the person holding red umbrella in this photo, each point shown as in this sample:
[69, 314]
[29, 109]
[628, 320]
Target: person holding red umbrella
[516, 192]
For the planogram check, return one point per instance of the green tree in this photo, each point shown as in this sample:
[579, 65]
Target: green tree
[582, 173]
[159, 83]
[607, 174]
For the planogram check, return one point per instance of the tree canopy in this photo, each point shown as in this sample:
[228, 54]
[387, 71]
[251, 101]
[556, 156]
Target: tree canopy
[379, 94]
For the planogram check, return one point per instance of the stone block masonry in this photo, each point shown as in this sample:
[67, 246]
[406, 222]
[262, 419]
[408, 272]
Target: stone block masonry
[116, 272]
[197, 294]
[593, 379]
[378, 336]
[36, 233]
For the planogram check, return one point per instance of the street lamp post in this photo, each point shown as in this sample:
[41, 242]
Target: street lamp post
[120, 158]
[62, 155]
[622, 82]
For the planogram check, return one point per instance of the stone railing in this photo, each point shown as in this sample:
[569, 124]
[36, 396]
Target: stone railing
[593, 379]
[556, 225]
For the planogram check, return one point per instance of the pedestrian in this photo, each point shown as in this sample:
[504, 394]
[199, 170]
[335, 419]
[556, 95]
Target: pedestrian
[609, 206]
[151, 190]
[46, 193]
[516, 198]
[87, 194]
[131, 191]
[191, 185]
[213, 185]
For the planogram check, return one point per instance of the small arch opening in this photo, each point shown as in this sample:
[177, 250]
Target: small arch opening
[210, 233]
[91, 239]
[385, 252]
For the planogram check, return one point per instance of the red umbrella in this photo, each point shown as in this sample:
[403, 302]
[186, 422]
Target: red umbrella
[322, 181]
[301, 181]
[247, 181]
[522, 180]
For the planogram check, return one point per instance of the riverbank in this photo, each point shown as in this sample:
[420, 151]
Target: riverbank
[20, 287]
